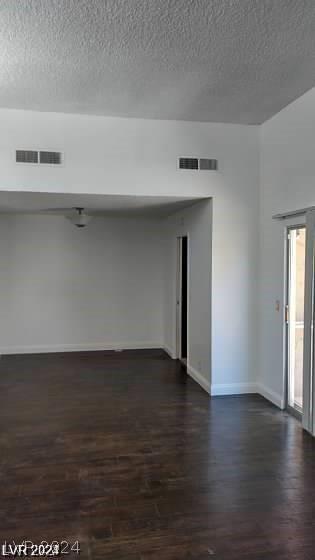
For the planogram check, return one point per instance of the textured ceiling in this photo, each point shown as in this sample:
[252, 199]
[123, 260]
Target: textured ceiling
[237, 61]
[95, 205]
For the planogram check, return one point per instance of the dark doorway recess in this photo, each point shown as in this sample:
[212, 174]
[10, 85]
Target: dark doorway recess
[184, 294]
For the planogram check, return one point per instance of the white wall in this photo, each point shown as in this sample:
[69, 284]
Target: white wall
[196, 223]
[287, 183]
[69, 288]
[133, 156]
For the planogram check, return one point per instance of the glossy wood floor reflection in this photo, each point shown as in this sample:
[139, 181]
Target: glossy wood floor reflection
[123, 452]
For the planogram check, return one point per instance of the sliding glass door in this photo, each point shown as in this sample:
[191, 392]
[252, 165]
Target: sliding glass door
[295, 317]
[300, 316]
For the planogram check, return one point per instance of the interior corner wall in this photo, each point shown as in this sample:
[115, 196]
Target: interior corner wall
[286, 183]
[196, 223]
[64, 288]
[139, 157]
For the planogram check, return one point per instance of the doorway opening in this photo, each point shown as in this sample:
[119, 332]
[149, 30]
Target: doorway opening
[296, 247]
[182, 300]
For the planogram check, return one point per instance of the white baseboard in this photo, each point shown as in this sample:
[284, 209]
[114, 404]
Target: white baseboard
[196, 376]
[170, 352]
[192, 372]
[270, 395]
[216, 390]
[233, 389]
[246, 388]
[88, 347]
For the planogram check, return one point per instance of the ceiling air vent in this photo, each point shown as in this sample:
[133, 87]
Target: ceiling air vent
[26, 156]
[52, 158]
[188, 163]
[208, 164]
[198, 164]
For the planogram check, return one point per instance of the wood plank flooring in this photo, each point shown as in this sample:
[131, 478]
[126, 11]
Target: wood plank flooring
[126, 454]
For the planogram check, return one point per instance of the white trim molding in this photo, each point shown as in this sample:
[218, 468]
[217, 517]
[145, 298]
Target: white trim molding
[233, 389]
[88, 347]
[171, 353]
[271, 396]
[215, 390]
[196, 376]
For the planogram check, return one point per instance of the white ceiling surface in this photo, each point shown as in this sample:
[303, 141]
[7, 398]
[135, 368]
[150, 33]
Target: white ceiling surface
[237, 61]
[95, 205]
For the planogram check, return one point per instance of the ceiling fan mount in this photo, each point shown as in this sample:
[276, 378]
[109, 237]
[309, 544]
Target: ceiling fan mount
[79, 218]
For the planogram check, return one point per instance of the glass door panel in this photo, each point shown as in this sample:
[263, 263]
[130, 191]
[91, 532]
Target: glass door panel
[295, 317]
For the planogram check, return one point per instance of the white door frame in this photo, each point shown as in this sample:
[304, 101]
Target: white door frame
[308, 416]
[289, 306]
[308, 419]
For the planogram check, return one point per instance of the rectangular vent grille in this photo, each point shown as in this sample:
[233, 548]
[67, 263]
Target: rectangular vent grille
[26, 156]
[38, 157]
[52, 158]
[208, 164]
[188, 163]
[198, 164]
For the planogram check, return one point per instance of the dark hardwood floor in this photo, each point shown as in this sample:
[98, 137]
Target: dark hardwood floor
[123, 452]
